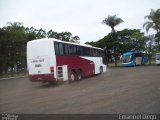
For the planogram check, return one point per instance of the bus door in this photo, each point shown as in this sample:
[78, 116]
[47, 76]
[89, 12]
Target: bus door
[138, 59]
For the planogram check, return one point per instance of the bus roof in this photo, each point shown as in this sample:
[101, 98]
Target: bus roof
[53, 39]
[130, 53]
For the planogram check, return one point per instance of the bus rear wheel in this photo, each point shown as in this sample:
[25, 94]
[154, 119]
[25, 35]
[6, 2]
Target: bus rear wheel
[79, 75]
[72, 76]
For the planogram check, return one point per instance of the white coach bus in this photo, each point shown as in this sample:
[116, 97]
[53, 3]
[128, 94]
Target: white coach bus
[51, 60]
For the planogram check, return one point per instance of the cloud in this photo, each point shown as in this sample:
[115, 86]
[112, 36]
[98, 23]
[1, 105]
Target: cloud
[80, 17]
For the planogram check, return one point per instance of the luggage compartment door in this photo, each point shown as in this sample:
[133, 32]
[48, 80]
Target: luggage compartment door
[65, 72]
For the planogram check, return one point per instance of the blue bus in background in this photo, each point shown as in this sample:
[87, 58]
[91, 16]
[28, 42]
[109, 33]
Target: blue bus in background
[134, 58]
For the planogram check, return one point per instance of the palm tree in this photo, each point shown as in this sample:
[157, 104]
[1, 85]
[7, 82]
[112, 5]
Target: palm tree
[18, 26]
[113, 21]
[154, 23]
[153, 20]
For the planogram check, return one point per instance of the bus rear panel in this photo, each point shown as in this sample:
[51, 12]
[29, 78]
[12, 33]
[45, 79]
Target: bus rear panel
[40, 60]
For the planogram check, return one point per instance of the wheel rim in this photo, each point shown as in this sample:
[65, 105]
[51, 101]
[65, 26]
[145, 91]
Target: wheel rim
[72, 77]
[79, 76]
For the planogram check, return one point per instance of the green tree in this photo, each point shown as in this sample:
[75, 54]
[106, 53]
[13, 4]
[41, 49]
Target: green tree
[90, 43]
[64, 36]
[40, 33]
[127, 40]
[154, 23]
[30, 33]
[12, 43]
[113, 21]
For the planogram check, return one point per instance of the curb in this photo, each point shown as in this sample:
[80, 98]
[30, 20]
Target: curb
[12, 78]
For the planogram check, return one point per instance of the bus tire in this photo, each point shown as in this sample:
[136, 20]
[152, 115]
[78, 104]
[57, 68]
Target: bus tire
[79, 75]
[101, 70]
[72, 77]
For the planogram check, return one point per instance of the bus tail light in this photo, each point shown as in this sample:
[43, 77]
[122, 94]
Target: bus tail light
[52, 69]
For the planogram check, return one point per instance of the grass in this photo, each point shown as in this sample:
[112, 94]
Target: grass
[13, 74]
[113, 64]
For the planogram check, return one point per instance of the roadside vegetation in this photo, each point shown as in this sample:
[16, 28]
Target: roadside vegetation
[14, 37]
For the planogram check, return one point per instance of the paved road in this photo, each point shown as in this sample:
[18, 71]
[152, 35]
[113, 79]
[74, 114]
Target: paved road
[120, 90]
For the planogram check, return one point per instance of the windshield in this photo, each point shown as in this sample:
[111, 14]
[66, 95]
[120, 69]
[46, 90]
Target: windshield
[158, 56]
[126, 58]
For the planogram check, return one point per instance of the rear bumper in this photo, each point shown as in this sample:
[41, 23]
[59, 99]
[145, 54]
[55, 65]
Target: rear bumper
[41, 77]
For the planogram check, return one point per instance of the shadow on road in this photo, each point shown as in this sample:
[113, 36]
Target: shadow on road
[49, 85]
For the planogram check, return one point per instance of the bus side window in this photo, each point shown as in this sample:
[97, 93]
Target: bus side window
[83, 51]
[61, 51]
[99, 53]
[78, 50]
[102, 53]
[74, 50]
[70, 48]
[56, 48]
[96, 53]
[90, 52]
[86, 51]
[65, 49]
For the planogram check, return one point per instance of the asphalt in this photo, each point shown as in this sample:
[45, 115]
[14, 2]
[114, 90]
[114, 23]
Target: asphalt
[119, 90]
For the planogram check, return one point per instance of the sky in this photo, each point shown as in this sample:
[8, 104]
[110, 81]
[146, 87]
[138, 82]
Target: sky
[80, 17]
